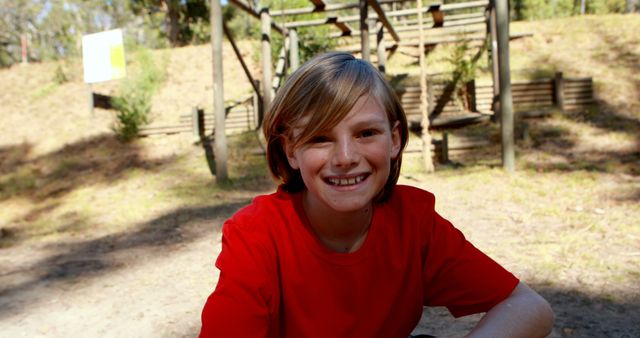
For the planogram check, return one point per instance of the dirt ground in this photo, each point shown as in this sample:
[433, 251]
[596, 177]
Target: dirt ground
[152, 280]
[104, 239]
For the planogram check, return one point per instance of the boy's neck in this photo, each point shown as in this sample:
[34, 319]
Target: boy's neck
[340, 232]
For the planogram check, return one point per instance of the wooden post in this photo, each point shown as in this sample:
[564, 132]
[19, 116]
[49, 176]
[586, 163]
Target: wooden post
[257, 106]
[266, 57]
[382, 53]
[294, 54]
[90, 97]
[424, 109]
[558, 91]
[220, 139]
[197, 122]
[493, 27]
[280, 67]
[431, 101]
[471, 94]
[506, 100]
[444, 156]
[364, 31]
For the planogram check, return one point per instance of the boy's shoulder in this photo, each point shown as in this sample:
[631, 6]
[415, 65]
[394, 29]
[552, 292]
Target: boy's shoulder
[407, 193]
[264, 209]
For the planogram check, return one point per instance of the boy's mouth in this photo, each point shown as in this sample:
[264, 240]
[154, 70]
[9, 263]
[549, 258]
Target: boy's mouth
[345, 181]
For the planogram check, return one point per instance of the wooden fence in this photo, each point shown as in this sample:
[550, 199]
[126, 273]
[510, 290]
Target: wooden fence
[241, 116]
[445, 110]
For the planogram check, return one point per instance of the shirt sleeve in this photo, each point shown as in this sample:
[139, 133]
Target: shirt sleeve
[458, 275]
[243, 303]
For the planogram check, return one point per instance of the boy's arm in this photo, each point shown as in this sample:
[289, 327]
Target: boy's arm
[523, 314]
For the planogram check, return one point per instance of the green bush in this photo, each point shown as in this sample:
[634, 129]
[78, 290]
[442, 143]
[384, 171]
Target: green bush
[464, 70]
[133, 102]
[60, 75]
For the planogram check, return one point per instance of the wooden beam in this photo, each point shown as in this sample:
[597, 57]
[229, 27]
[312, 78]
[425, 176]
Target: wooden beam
[346, 30]
[316, 22]
[319, 4]
[413, 43]
[220, 140]
[430, 39]
[364, 30]
[506, 101]
[438, 41]
[424, 109]
[355, 18]
[242, 5]
[383, 18]
[444, 8]
[265, 20]
[281, 67]
[294, 55]
[493, 35]
[227, 32]
[442, 30]
[449, 18]
[307, 10]
[380, 47]
[437, 15]
[449, 28]
[356, 48]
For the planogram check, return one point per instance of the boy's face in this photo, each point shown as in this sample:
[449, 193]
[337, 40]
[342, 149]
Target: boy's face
[345, 167]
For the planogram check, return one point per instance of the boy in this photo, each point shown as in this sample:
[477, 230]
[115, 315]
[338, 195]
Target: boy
[340, 250]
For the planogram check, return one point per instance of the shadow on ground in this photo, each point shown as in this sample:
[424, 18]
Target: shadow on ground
[99, 159]
[94, 258]
[577, 315]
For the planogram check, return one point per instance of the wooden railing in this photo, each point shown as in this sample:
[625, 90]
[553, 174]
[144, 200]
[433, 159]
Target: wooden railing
[565, 94]
[241, 116]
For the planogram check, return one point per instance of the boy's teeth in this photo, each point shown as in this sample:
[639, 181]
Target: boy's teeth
[346, 181]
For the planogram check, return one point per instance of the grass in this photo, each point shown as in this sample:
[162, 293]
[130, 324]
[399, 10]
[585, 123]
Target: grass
[564, 224]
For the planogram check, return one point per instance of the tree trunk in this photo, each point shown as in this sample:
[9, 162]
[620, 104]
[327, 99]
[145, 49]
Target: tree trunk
[172, 20]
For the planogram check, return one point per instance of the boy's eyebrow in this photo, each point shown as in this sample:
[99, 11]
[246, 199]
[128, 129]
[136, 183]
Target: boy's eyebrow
[374, 121]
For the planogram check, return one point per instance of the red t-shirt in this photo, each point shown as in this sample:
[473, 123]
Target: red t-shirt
[278, 280]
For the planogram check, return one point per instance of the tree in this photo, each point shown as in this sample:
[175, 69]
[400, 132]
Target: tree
[55, 28]
[16, 18]
[185, 21]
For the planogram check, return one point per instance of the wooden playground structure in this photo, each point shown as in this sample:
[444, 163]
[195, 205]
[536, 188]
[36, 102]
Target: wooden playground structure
[399, 26]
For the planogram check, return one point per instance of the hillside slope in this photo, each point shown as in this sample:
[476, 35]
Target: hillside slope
[47, 115]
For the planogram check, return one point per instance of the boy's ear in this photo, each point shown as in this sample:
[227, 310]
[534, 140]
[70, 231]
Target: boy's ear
[396, 141]
[288, 151]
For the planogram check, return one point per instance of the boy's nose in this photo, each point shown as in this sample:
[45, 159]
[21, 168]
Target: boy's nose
[345, 154]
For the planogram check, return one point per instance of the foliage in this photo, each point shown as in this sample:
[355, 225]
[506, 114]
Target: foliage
[54, 28]
[464, 69]
[546, 9]
[181, 21]
[60, 75]
[133, 101]
[314, 41]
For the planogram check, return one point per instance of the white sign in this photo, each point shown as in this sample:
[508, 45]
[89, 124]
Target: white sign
[103, 56]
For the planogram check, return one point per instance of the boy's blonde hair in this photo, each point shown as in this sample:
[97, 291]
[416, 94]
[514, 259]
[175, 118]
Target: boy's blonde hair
[324, 90]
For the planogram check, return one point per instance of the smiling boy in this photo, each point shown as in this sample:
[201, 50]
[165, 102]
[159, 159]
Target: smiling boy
[340, 250]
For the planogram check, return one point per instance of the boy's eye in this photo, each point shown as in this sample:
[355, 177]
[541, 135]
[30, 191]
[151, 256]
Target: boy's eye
[368, 133]
[318, 139]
